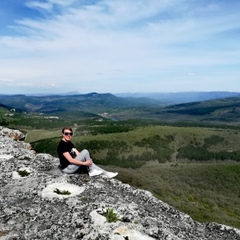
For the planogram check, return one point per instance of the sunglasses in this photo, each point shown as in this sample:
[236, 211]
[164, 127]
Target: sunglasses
[68, 133]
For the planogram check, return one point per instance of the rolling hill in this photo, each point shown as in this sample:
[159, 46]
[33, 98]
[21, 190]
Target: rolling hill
[224, 110]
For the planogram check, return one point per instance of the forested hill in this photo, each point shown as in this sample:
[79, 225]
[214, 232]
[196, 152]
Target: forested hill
[205, 107]
[226, 109]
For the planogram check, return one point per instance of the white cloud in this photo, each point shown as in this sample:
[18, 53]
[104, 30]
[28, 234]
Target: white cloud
[6, 80]
[39, 5]
[47, 5]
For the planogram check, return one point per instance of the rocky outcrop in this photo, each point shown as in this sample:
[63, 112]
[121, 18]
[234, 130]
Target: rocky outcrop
[33, 206]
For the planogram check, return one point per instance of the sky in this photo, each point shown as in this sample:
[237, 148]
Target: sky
[119, 46]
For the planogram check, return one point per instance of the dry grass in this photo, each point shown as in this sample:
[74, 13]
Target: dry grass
[36, 134]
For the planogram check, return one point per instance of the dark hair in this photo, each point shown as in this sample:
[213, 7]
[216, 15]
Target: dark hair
[67, 128]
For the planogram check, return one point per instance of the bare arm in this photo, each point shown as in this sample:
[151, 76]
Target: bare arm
[76, 162]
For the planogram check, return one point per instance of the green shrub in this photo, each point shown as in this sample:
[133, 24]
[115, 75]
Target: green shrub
[213, 140]
[203, 154]
[110, 215]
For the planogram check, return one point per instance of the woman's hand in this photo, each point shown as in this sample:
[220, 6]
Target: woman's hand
[88, 162]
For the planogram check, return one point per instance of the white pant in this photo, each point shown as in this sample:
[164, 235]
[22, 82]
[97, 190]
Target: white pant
[83, 156]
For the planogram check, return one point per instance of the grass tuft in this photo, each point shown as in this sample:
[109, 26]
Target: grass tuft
[110, 215]
[61, 192]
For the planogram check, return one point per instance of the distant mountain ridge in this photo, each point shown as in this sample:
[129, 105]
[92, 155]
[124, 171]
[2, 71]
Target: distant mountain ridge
[84, 102]
[58, 103]
[62, 102]
[181, 97]
[222, 106]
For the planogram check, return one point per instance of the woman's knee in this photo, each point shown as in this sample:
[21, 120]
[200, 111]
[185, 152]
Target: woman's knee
[85, 152]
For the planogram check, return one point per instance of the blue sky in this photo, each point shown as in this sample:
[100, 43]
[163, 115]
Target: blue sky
[116, 46]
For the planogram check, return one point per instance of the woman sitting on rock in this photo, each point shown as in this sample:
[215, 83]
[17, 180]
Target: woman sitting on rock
[71, 160]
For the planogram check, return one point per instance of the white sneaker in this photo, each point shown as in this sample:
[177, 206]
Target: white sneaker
[94, 172]
[111, 174]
